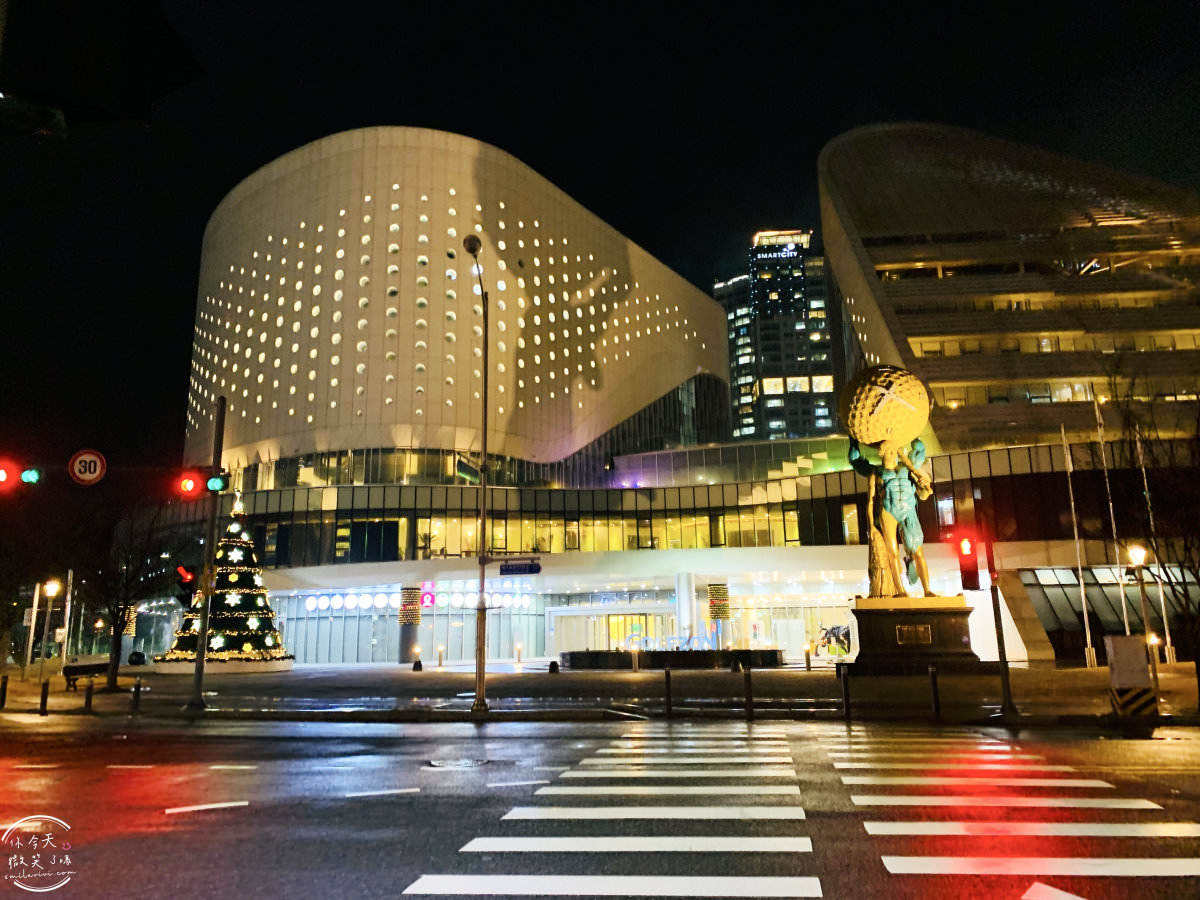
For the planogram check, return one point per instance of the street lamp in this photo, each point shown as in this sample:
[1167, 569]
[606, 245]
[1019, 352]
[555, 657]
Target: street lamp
[51, 590]
[472, 245]
[1137, 556]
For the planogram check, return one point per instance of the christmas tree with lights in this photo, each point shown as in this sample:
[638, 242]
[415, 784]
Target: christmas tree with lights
[241, 623]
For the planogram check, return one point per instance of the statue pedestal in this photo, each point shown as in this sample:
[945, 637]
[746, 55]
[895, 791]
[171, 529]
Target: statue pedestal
[898, 634]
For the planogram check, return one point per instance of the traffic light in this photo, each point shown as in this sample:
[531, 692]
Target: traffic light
[188, 485]
[187, 577]
[968, 561]
[217, 483]
[12, 475]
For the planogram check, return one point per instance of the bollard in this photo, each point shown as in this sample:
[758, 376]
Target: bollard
[45, 697]
[749, 693]
[933, 689]
[633, 656]
[667, 691]
[3, 691]
[807, 658]
[844, 674]
[135, 699]
[553, 670]
[417, 667]
[1196, 663]
[442, 656]
[87, 695]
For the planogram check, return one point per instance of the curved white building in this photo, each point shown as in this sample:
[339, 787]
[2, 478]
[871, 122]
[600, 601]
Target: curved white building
[337, 308]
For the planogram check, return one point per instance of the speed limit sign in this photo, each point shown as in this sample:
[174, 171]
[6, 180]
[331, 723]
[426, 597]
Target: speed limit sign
[87, 466]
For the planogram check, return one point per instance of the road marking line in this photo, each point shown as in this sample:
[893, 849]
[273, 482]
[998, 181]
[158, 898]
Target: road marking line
[1037, 829]
[747, 772]
[232, 767]
[639, 844]
[495, 784]
[685, 761]
[672, 790]
[1005, 865]
[617, 885]
[200, 806]
[1039, 802]
[1039, 891]
[129, 766]
[995, 782]
[932, 764]
[36, 766]
[408, 790]
[550, 768]
[655, 812]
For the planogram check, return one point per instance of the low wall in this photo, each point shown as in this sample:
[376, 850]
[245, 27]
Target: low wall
[675, 659]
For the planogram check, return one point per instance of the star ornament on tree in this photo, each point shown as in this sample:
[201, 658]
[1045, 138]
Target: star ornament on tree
[236, 554]
[233, 599]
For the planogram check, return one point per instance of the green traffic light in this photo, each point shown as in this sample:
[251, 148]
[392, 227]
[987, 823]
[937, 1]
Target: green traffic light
[31, 476]
[218, 483]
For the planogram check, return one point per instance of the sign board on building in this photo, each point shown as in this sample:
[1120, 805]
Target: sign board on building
[520, 568]
[27, 619]
[60, 635]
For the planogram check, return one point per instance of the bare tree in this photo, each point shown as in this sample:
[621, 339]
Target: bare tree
[140, 566]
[1165, 436]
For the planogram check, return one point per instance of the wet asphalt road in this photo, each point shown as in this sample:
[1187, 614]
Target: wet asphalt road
[707, 808]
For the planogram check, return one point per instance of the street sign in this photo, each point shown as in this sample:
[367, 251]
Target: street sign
[520, 568]
[27, 618]
[87, 467]
[60, 635]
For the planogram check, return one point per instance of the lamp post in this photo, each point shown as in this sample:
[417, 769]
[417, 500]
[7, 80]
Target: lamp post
[1137, 556]
[51, 589]
[472, 245]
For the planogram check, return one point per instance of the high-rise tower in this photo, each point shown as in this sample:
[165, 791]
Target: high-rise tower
[780, 363]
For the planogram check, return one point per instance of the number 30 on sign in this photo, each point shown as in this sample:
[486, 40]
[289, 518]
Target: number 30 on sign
[87, 466]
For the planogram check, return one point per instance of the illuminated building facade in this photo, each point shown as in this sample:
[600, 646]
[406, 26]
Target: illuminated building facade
[1018, 284]
[337, 315]
[340, 315]
[779, 330]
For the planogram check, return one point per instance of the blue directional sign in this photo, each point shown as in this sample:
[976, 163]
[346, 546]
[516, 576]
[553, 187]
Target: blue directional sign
[520, 568]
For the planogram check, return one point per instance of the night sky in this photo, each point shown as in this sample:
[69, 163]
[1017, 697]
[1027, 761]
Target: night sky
[685, 126]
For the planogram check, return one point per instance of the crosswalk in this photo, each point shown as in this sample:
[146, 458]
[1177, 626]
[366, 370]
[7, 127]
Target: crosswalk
[1007, 799]
[741, 777]
[718, 810]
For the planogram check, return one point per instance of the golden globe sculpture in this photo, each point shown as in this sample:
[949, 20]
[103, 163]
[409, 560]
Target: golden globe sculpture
[885, 404]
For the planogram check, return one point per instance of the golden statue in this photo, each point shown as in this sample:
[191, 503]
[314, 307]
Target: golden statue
[886, 407]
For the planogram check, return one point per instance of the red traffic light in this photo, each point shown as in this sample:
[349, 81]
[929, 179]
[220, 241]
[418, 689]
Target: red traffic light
[186, 576]
[189, 484]
[968, 561]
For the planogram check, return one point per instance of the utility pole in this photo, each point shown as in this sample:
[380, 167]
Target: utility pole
[208, 580]
[472, 245]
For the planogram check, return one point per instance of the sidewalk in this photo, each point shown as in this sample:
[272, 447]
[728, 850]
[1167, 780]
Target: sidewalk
[1044, 695]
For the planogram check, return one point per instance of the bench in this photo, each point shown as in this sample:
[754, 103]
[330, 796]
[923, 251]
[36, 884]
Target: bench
[72, 672]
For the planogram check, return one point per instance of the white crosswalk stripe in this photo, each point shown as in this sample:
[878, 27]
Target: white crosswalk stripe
[739, 762]
[616, 886]
[727, 813]
[922, 780]
[634, 772]
[944, 766]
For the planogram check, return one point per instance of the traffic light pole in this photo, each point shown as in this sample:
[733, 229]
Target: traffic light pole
[208, 578]
[1008, 709]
